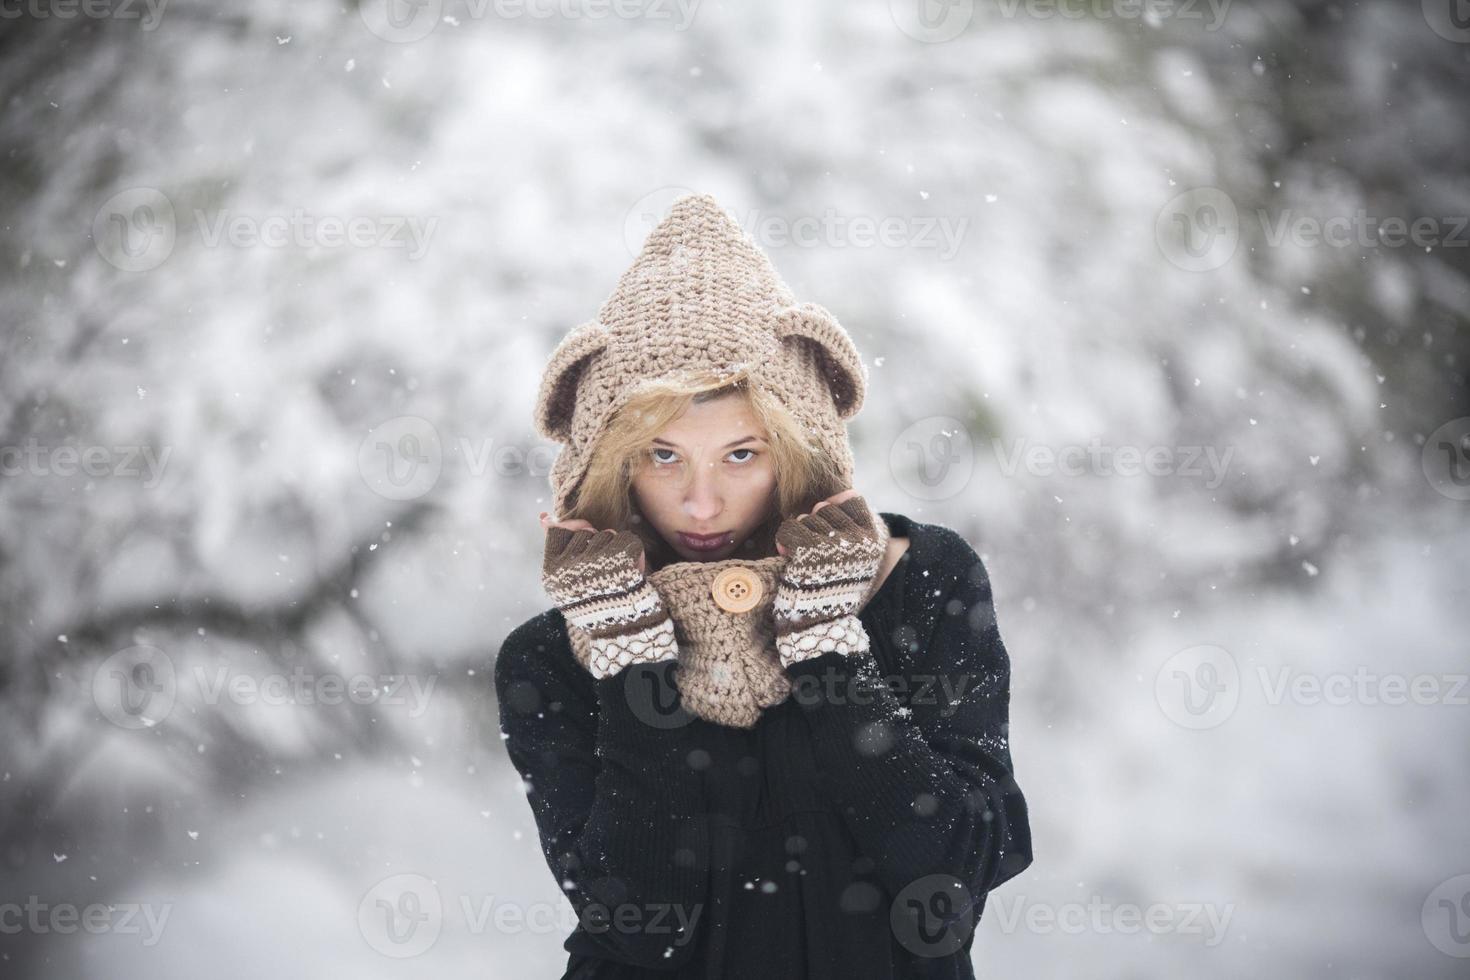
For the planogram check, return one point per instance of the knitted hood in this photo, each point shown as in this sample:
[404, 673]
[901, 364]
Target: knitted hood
[700, 295]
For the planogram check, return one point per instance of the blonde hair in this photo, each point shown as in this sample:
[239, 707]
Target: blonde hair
[804, 474]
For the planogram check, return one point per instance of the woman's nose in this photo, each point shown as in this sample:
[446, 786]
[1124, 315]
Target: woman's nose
[704, 500]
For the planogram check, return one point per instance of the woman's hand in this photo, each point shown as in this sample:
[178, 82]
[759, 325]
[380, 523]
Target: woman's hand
[596, 579]
[833, 555]
[577, 524]
[836, 498]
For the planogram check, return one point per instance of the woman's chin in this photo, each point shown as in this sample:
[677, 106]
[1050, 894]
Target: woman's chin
[691, 554]
[744, 546]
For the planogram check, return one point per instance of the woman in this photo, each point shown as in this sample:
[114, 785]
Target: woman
[762, 732]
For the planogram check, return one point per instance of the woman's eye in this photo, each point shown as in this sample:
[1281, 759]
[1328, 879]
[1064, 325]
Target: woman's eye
[673, 457]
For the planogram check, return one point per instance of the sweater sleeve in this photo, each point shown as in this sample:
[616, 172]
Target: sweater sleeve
[933, 793]
[616, 803]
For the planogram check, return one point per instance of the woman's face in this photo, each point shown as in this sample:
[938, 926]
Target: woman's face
[719, 447]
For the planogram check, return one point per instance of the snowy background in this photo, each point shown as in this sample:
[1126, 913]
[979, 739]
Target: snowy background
[278, 282]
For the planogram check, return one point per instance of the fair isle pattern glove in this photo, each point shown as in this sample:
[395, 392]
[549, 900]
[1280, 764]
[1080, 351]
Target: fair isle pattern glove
[593, 578]
[833, 556]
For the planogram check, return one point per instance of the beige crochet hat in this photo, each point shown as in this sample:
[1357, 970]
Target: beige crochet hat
[700, 295]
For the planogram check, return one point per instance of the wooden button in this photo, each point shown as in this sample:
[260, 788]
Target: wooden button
[737, 590]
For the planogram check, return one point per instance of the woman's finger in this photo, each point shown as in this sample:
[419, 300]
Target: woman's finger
[573, 525]
[836, 498]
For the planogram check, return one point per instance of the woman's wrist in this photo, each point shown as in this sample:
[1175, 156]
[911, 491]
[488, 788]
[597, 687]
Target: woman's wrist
[843, 634]
[834, 556]
[595, 579]
[649, 639]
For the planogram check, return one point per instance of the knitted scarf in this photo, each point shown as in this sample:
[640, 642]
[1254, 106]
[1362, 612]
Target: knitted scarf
[729, 671]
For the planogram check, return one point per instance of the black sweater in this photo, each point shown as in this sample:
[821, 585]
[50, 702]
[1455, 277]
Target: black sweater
[852, 833]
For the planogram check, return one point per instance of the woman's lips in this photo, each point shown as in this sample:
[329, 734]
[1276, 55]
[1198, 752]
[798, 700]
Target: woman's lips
[711, 542]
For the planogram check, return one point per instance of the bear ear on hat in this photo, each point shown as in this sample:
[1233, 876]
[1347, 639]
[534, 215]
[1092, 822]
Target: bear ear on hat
[837, 357]
[557, 398]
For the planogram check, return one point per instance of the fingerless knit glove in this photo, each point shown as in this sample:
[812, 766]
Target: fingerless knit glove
[593, 577]
[833, 556]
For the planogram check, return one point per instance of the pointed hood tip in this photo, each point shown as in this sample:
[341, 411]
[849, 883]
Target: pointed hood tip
[700, 204]
[697, 199]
